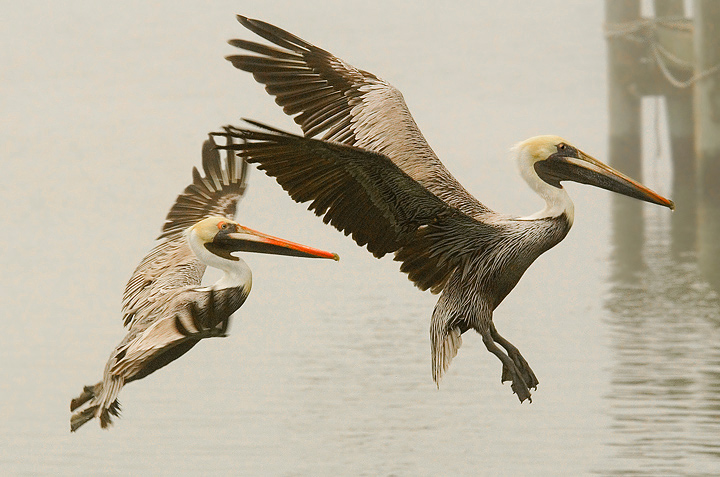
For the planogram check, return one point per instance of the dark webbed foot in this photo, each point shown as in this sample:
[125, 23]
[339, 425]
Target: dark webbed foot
[510, 370]
[517, 358]
[523, 368]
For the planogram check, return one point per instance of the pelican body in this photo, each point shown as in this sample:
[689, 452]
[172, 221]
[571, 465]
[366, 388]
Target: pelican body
[373, 175]
[165, 307]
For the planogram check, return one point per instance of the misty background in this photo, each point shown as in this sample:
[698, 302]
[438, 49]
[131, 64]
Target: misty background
[103, 110]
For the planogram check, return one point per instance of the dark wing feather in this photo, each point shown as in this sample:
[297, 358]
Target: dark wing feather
[303, 78]
[171, 264]
[364, 194]
[351, 106]
[208, 314]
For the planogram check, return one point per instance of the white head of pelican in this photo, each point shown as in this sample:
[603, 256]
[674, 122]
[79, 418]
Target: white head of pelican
[545, 161]
[213, 241]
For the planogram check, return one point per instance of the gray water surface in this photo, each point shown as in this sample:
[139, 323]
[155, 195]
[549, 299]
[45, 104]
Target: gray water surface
[326, 371]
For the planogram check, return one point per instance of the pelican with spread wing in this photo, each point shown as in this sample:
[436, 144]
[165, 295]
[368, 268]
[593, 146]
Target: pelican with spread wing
[165, 307]
[373, 175]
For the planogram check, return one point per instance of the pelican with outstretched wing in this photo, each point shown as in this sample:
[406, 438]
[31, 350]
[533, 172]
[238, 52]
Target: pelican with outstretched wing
[165, 307]
[373, 175]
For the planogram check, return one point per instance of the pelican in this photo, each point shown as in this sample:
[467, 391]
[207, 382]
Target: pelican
[165, 307]
[373, 175]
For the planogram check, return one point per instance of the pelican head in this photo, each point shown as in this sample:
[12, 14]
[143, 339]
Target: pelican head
[545, 161]
[221, 237]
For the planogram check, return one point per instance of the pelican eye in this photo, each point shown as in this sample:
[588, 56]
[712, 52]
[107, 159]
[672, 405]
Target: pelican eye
[566, 150]
[222, 225]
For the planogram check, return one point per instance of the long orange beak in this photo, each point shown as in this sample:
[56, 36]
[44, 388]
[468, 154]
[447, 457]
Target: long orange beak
[249, 240]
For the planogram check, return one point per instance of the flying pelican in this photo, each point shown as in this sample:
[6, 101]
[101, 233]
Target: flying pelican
[165, 307]
[374, 176]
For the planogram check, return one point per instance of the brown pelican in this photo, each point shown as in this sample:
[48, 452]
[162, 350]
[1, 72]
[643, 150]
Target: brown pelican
[165, 307]
[374, 176]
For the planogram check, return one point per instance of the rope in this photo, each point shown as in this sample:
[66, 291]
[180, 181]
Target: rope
[644, 31]
[637, 30]
[658, 142]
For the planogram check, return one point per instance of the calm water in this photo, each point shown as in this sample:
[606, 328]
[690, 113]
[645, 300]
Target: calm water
[327, 368]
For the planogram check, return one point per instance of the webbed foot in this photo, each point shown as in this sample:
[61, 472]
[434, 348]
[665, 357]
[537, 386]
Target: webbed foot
[510, 370]
[524, 370]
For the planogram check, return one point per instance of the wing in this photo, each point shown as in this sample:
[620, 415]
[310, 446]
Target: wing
[192, 315]
[365, 194]
[349, 105]
[171, 264]
[217, 193]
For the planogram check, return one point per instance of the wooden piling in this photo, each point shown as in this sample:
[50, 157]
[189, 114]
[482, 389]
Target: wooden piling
[681, 123]
[707, 118]
[707, 92]
[624, 134]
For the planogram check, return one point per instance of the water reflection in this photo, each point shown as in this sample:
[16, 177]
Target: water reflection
[664, 329]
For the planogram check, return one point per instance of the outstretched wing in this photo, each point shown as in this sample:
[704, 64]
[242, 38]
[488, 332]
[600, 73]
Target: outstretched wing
[351, 106]
[192, 315]
[217, 193]
[365, 194]
[171, 264]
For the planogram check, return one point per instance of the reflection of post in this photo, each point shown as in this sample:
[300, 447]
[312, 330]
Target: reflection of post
[624, 130]
[707, 109]
[682, 142]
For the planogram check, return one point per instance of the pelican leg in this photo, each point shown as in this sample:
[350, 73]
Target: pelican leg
[517, 358]
[518, 383]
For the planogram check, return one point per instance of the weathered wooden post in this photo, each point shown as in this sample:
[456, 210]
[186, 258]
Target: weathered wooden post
[681, 122]
[707, 118]
[624, 131]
